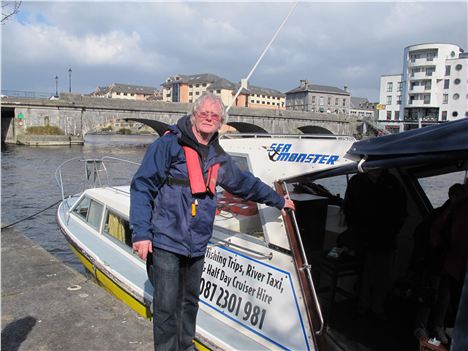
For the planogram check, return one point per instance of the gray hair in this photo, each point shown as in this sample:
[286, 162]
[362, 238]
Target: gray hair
[207, 96]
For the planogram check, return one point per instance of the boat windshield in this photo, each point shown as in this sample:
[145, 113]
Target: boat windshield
[90, 211]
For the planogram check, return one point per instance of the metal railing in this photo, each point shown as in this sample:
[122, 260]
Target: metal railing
[96, 174]
[27, 94]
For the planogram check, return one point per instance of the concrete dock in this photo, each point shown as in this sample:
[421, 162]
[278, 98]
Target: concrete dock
[47, 305]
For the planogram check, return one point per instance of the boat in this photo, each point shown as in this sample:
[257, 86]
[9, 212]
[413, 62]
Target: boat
[260, 288]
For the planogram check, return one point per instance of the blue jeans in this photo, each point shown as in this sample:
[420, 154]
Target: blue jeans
[175, 299]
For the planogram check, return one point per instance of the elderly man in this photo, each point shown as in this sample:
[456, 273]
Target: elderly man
[172, 210]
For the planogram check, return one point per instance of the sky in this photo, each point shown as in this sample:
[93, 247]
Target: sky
[143, 43]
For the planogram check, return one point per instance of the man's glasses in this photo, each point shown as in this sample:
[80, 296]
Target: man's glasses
[213, 116]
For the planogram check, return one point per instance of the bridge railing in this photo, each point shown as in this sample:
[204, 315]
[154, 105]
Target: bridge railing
[27, 94]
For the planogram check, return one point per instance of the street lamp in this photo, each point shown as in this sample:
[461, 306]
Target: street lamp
[56, 86]
[69, 79]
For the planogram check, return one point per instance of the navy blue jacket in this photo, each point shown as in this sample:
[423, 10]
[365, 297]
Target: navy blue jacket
[161, 212]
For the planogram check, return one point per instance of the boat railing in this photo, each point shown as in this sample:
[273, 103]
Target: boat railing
[306, 267]
[295, 136]
[96, 174]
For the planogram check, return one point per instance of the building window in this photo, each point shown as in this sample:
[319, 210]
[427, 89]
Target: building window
[389, 100]
[444, 115]
[427, 99]
[218, 91]
[329, 101]
[429, 72]
[204, 85]
[344, 102]
[190, 100]
[190, 93]
[313, 99]
[456, 96]
[446, 84]
[398, 100]
[445, 99]
[389, 115]
[397, 115]
[427, 85]
[321, 101]
[389, 87]
[455, 114]
[458, 67]
[399, 86]
[447, 70]
[457, 81]
[197, 85]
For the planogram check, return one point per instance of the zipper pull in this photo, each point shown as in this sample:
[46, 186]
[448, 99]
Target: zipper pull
[194, 207]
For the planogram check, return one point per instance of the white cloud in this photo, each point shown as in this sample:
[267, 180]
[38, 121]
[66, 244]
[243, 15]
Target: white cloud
[33, 44]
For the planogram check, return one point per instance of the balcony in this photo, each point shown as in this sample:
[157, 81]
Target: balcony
[422, 62]
[417, 89]
[418, 76]
[419, 103]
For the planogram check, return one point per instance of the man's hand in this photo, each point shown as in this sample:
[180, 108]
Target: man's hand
[142, 248]
[288, 204]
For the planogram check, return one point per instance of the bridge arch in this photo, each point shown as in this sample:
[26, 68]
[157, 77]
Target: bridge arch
[243, 127]
[314, 130]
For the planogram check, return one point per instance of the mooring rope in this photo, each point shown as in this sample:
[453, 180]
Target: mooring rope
[31, 216]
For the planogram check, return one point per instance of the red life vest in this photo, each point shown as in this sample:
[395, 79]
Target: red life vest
[197, 184]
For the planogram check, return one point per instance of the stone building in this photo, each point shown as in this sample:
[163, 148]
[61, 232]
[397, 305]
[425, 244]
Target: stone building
[318, 98]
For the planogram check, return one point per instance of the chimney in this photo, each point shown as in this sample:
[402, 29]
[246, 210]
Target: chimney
[303, 83]
[345, 88]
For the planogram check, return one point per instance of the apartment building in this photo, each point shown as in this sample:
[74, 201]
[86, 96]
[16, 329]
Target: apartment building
[432, 88]
[127, 91]
[187, 88]
[318, 98]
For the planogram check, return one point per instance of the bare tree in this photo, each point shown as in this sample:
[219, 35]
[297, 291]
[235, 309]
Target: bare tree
[9, 8]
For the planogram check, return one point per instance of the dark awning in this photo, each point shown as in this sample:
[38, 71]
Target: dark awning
[446, 137]
[429, 146]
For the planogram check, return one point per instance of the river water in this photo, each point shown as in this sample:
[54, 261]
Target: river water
[28, 186]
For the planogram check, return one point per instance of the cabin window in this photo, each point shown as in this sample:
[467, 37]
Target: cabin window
[118, 228]
[90, 211]
[436, 187]
[236, 214]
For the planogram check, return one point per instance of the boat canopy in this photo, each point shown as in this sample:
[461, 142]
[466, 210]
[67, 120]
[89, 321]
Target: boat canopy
[439, 144]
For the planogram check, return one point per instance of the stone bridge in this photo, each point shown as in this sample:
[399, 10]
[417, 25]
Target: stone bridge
[77, 115]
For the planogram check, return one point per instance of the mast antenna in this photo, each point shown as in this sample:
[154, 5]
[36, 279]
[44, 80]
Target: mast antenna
[261, 56]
